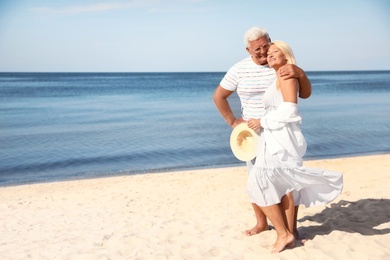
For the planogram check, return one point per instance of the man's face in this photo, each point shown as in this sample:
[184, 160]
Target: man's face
[258, 50]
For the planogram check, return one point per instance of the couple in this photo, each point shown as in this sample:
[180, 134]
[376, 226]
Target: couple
[268, 84]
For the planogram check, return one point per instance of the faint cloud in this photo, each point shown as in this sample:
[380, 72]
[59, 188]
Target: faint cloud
[153, 6]
[90, 8]
[182, 6]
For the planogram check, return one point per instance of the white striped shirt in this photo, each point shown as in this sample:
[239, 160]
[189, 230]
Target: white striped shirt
[250, 81]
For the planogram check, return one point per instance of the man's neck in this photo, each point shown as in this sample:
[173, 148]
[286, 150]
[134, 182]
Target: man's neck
[257, 62]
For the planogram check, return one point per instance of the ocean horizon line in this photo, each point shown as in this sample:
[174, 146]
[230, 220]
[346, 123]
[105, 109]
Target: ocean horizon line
[169, 72]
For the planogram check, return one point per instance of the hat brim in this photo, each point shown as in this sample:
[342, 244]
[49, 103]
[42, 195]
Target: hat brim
[243, 142]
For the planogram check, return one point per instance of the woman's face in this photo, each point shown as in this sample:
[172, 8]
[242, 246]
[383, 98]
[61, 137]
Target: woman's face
[276, 57]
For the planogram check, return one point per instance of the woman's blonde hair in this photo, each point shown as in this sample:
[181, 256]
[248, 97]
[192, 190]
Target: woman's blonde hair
[287, 51]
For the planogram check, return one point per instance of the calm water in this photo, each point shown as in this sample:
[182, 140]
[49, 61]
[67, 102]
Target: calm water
[56, 126]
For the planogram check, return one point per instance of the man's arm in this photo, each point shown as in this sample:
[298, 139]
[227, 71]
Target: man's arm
[220, 99]
[293, 71]
[305, 85]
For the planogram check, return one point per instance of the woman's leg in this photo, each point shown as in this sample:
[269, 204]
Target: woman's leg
[288, 211]
[284, 236]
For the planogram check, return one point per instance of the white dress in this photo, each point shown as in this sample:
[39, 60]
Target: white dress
[278, 168]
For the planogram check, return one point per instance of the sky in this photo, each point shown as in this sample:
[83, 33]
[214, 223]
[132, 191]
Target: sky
[188, 35]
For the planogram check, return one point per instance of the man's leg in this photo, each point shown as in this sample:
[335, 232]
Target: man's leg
[297, 197]
[261, 222]
[261, 219]
[296, 233]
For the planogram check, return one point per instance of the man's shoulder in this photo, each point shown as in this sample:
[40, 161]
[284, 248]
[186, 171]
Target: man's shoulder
[245, 62]
[248, 63]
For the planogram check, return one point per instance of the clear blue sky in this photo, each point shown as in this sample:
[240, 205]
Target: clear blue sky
[188, 35]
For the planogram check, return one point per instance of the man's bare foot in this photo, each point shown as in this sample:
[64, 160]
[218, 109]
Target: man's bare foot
[299, 238]
[256, 230]
[282, 242]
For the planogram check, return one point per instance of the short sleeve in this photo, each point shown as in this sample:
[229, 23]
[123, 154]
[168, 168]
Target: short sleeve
[230, 80]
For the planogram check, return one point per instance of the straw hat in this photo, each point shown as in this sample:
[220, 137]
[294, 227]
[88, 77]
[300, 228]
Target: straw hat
[243, 142]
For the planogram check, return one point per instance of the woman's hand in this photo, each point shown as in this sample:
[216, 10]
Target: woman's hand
[254, 124]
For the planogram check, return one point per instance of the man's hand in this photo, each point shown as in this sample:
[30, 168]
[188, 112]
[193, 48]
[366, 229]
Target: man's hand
[290, 71]
[237, 122]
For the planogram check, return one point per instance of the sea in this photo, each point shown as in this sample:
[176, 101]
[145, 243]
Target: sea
[64, 126]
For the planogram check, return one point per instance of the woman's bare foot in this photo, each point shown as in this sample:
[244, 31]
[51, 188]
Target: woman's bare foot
[256, 230]
[282, 242]
[291, 245]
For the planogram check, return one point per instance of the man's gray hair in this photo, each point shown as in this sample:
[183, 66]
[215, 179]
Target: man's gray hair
[255, 33]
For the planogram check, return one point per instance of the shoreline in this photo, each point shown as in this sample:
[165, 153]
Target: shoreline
[191, 214]
[89, 175]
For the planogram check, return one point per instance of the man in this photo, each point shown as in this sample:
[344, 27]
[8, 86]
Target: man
[250, 78]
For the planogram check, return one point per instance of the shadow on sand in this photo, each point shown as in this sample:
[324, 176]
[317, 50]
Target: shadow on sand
[363, 217]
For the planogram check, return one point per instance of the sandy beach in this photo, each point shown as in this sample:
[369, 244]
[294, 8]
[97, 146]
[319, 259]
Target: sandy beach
[195, 214]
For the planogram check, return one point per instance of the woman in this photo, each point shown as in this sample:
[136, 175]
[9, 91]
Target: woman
[278, 182]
